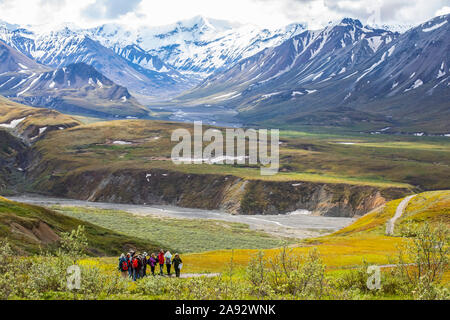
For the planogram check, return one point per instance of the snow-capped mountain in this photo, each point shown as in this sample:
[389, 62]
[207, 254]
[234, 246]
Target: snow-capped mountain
[76, 88]
[129, 66]
[400, 28]
[342, 75]
[198, 46]
[13, 61]
[310, 57]
[8, 26]
[418, 57]
[151, 61]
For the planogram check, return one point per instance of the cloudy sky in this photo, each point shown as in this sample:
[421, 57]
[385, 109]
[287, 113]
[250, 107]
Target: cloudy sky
[268, 13]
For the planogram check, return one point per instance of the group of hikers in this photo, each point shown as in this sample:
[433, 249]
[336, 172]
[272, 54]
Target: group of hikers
[134, 265]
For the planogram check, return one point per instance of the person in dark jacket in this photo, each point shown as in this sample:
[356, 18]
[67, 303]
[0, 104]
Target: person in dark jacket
[152, 262]
[130, 269]
[168, 257]
[161, 261]
[144, 264]
[177, 264]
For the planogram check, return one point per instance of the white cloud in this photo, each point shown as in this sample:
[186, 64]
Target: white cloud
[37, 12]
[261, 12]
[443, 10]
[110, 9]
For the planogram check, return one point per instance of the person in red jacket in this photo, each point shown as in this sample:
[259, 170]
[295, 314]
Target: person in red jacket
[136, 264]
[161, 260]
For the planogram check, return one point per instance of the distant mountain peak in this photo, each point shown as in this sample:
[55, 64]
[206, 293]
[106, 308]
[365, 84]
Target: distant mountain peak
[8, 26]
[202, 22]
[351, 22]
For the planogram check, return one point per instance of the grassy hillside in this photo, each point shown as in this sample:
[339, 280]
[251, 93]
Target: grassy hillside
[429, 206]
[432, 206]
[33, 119]
[384, 161]
[29, 228]
[419, 161]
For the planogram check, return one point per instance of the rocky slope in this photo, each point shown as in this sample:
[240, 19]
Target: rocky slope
[12, 60]
[11, 156]
[229, 193]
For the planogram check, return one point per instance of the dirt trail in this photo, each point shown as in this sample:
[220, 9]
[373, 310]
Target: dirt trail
[398, 213]
[199, 275]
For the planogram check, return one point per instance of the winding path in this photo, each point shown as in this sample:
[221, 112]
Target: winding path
[199, 275]
[398, 213]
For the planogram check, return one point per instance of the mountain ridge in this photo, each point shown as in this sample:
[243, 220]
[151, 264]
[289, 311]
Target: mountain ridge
[76, 88]
[344, 75]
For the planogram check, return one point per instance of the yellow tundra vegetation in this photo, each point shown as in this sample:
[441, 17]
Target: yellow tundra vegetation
[364, 240]
[349, 247]
[33, 116]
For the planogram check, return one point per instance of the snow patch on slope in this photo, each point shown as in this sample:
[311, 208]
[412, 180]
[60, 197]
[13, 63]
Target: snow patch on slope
[437, 26]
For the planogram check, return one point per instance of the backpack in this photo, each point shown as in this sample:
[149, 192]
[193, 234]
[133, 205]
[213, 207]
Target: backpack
[124, 265]
[135, 263]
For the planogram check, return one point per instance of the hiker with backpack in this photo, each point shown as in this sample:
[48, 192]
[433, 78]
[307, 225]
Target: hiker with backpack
[152, 262]
[161, 260]
[136, 265]
[177, 264]
[123, 266]
[142, 266]
[130, 269]
[168, 257]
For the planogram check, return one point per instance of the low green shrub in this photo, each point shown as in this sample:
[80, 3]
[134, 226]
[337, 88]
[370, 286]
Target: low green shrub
[284, 276]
